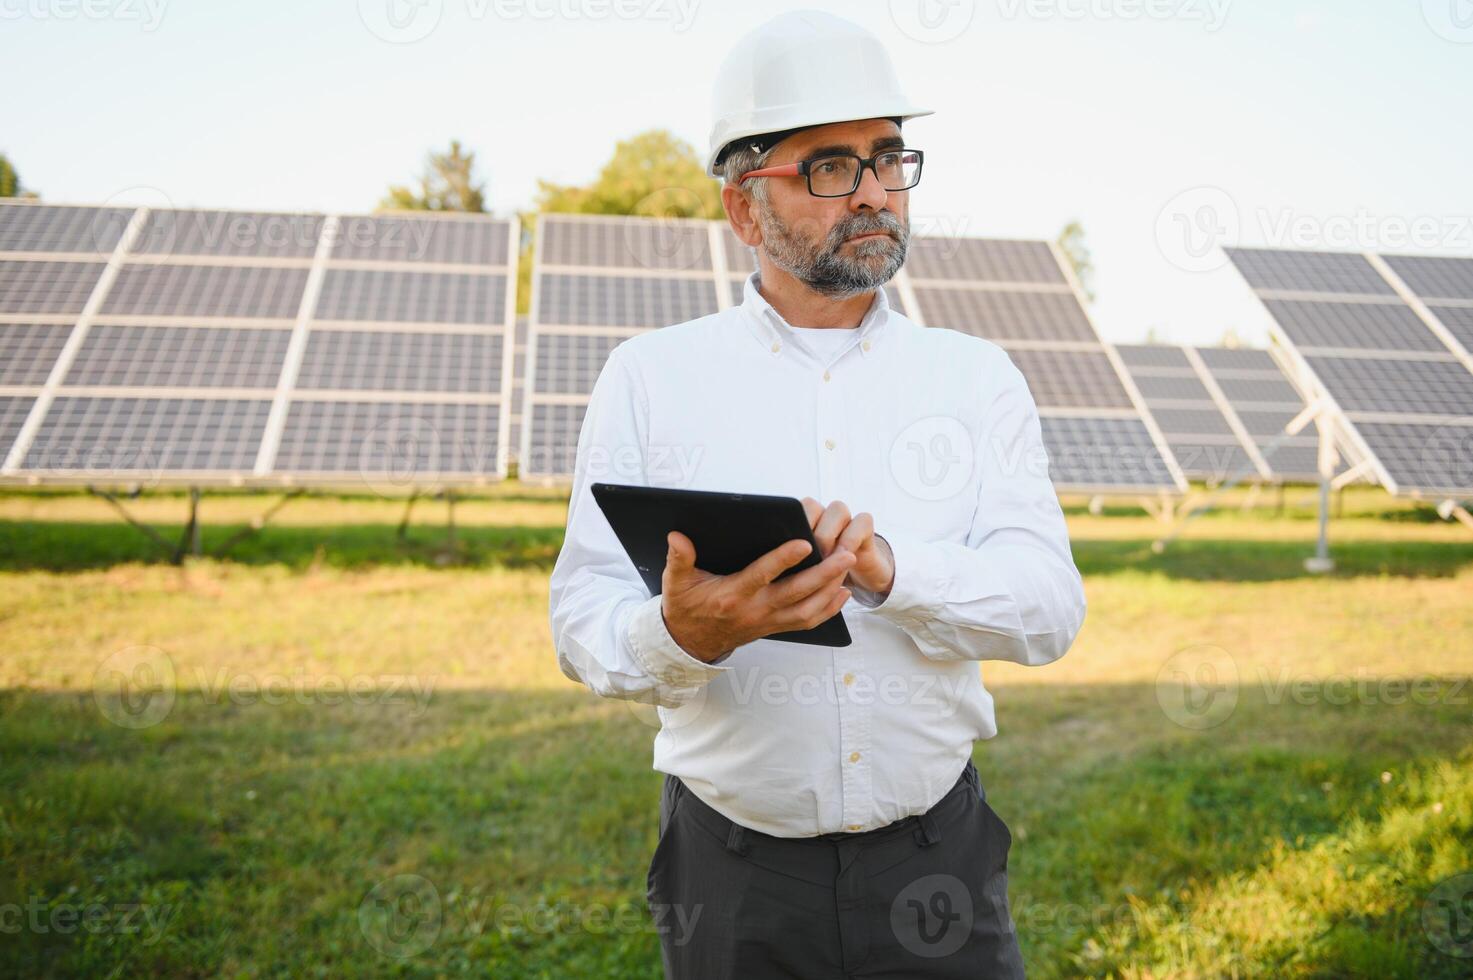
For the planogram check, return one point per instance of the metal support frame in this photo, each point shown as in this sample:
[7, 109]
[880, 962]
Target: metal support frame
[190, 539]
[1190, 510]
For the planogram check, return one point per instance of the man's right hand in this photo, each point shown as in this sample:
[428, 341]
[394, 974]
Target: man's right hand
[711, 615]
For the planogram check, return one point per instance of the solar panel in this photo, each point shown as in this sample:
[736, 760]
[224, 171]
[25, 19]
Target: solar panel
[1171, 388]
[1198, 434]
[408, 439]
[552, 433]
[53, 228]
[598, 280]
[1226, 362]
[1368, 326]
[47, 287]
[619, 243]
[179, 357]
[1071, 378]
[1434, 277]
[1309, 272]
[390, 360]
[13, 412]
[1102, 453]
[1436, 459]
[28, 351]
[206, 290]
[739, 258]
[593, 300]
[253, 234]
[1018, 294]
[1394, 386]
[1264, 402]
[444, 240]
[189, 357]
[420, 297]
[1223, 411]
[1269, 388]
[983, 260]
[569, 364]
[1002, 316]
[1155, 356]
[144, 436]
[1459, 322]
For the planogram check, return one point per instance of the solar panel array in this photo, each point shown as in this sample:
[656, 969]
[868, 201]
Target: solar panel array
[1384, 341]
[1224, 412]
[599, 280]
[1023, 296]
[203, 346]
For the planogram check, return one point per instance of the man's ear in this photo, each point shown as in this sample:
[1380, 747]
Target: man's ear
[740, 216]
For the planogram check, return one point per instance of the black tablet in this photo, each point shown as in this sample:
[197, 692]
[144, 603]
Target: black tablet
[729, 531]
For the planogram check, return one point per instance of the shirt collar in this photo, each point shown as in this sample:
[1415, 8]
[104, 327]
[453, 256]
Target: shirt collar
[775, 334]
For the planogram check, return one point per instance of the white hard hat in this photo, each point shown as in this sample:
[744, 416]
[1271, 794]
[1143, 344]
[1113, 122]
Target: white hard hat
[803, 68]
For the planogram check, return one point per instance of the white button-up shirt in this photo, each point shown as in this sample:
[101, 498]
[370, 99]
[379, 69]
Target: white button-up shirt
[931, 431]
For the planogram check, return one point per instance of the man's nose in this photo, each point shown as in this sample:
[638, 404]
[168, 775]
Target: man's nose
[870, 193]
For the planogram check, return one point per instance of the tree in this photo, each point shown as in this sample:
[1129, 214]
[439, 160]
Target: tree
[653, 174]
[9, 179]
[1071, 240]
[449, 183]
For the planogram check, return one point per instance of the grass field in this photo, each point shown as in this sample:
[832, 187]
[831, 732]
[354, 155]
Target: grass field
[372, 765]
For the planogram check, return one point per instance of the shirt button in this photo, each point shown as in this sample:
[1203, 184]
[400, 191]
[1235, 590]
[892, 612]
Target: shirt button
[848, 678]
[853, 756]
[825, 375]
[865, 345]
[828, 444]
[776, 348]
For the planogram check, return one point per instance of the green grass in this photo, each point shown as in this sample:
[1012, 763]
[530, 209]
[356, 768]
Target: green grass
[1299, 837]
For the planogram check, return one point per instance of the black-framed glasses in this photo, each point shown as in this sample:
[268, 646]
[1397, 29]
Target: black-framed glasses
[838, 174]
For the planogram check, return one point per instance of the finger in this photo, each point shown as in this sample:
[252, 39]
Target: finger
[833, 521]
[802, 584]
[816, 608]
[857, 534]
[768, 567]
[812, 509]
[681, 556]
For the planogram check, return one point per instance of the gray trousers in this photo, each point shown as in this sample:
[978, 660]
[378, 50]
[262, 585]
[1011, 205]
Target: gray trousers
[925, 897]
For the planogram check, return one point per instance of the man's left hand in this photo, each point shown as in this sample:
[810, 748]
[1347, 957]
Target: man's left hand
[833, 527]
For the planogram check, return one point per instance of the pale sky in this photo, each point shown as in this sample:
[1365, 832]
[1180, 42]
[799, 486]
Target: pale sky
[1166, 126]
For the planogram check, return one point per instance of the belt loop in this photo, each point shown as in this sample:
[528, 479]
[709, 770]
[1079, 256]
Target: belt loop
[927, 832]
[736, 841]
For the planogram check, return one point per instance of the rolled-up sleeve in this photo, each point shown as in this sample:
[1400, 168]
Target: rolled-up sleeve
[609, 632]
[1011, 591]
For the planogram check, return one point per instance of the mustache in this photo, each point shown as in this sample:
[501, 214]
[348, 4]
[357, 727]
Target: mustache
[864, 223]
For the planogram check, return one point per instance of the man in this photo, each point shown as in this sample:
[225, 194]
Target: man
[821, 815]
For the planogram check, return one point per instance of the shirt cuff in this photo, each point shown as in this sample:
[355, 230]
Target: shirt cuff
[659, 654]
[919, 589]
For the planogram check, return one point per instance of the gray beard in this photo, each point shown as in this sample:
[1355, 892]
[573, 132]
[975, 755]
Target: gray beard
[822, 268]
